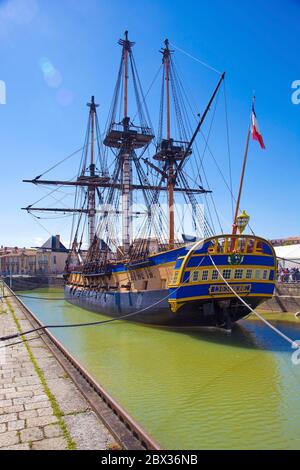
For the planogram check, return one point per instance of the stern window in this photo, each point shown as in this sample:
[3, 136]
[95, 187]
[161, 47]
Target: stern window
[205, 275]
[238, 274]
[195, 276]
[265, 275]
[226, 273]
[248, 273]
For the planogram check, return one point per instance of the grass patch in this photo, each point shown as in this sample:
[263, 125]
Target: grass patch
[55, 406]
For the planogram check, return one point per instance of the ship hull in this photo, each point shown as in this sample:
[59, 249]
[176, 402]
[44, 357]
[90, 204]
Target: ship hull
[153, 308]
[184, 287]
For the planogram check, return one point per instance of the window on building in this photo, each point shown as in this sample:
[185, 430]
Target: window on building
[238, 274]
[205, 275]
[195, 276]
[54, 259]
[226, 273]
[214, 275]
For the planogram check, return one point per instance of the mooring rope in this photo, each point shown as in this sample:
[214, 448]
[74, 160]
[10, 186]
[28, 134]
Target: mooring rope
[293, 343]
[111, 320]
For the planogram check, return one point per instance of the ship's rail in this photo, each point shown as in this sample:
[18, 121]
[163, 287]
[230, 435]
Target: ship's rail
[124, 428]
[242, 244]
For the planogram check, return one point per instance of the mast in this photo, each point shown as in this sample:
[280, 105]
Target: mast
[125, 155]
[170, 184]
[92, 189]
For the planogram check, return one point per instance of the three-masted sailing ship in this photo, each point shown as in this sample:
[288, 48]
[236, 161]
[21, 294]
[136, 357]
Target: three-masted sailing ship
[150, 274]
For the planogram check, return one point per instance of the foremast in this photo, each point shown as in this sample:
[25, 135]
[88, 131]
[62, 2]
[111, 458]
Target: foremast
[127, 137]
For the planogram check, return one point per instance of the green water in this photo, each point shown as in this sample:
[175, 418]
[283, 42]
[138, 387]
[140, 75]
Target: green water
[204, 390]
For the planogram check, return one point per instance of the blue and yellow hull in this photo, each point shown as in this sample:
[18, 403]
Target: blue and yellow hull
[183, 287]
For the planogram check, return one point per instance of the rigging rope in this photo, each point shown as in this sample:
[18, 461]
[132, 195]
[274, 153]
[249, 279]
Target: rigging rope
[196, 59]
[293, 343]
[76, 325]
[59, 163]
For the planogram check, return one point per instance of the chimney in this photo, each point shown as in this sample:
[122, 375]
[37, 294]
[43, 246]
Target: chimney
[57, 242]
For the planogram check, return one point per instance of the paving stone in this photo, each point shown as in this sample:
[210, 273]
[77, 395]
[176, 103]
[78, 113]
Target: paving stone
[22, 401]
[17, 447]
[45, 412]
[31, 434]
[80, 427]
[9, 439]
[40, 421]
[5, 403]
[34, 388]
[11, 409]
[10, 390]
[16, 425]
[8, 417]
[53, 430]
[37, 405]
[3, 427]
[67, 395]
[24, 394]
[56, 443]
[28, 414]
[38, 398]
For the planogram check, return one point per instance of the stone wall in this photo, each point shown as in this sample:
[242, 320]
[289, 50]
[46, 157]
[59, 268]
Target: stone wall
[286, 299]
[33, 282]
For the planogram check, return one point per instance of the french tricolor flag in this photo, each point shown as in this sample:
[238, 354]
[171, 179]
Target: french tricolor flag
[256, 135]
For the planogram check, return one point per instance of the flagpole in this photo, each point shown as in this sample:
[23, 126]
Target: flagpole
[234, 226]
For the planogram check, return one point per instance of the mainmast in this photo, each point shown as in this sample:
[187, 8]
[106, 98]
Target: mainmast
[127, 137]
[166, 61]
[92, 189]
[125, 155]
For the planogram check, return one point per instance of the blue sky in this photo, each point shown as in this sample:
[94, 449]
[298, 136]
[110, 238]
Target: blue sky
[256, 42]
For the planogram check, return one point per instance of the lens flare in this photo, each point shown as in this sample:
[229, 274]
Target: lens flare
[52, 76]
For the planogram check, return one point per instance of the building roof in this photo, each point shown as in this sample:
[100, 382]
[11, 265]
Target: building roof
[289, 252]
[54, 244]
[286, 241]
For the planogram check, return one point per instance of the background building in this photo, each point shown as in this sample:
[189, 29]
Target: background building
[50, 258]
[288, 251]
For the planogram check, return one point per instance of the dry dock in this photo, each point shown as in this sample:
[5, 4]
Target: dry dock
[47, 401]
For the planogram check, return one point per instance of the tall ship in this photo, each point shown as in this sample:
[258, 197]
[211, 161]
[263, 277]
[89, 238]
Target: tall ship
[140, 263]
